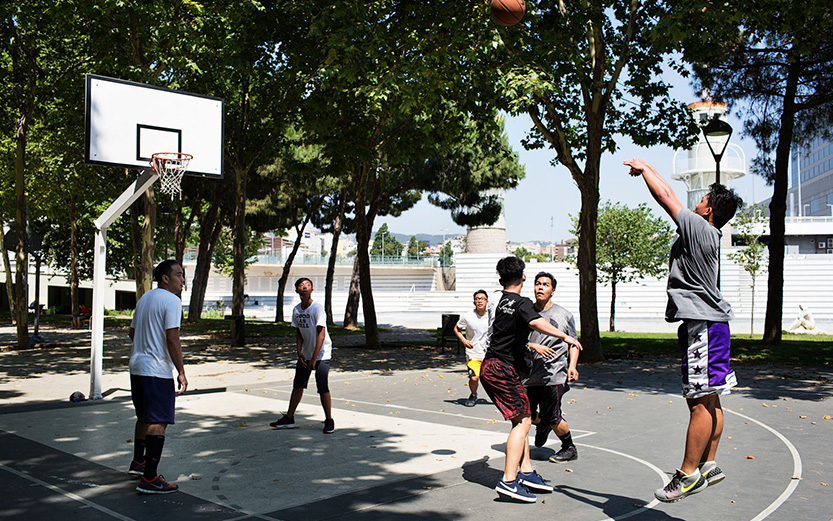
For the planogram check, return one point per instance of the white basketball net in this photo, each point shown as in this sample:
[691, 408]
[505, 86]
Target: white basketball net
[170, 166]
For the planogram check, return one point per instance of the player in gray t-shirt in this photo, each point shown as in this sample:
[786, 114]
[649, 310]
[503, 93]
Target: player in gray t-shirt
[694, 298]
[549, 377]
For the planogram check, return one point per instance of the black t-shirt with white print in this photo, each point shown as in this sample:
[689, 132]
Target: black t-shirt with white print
[510, 330]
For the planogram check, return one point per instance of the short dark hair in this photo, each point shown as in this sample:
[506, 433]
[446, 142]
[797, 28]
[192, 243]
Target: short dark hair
[478, 292]
[547, 275]
[510, 270]
[303, 279]
[724, 202]
[163, 268]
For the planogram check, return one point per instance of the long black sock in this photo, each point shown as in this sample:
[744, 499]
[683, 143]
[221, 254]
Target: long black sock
[153, 454]
[139, 450]
[566, 440]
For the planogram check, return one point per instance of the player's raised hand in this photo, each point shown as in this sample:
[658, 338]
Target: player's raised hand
[637, 166]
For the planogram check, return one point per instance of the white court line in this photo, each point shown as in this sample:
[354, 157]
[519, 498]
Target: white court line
[648, 464]
[63, 492]
[796, 468]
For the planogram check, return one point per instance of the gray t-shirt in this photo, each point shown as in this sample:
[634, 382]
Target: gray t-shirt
[692, 279]
[554, 371]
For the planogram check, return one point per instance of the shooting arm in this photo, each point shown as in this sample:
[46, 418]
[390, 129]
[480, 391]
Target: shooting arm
[660, 190]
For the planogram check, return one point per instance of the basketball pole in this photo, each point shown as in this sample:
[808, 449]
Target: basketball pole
[102, 224]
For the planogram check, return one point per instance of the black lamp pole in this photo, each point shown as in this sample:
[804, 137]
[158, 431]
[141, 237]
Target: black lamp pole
[717, 128]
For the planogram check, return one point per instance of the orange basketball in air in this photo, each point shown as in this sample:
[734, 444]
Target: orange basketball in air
[508, 12]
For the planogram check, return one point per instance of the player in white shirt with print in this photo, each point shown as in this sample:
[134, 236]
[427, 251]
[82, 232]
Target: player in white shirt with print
[314, 351]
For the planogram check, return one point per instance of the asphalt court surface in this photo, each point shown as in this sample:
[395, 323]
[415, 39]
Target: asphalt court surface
[406, 448]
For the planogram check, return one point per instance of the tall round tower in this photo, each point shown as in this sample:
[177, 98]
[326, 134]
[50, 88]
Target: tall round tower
[491, 238]
[696, 167]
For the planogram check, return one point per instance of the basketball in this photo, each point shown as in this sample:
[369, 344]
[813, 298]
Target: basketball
[508, 12]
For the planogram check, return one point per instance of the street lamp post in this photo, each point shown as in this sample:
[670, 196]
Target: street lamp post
[383, 247]
[717, 129]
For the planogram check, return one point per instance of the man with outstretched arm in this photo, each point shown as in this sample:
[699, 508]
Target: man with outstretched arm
[694, 298]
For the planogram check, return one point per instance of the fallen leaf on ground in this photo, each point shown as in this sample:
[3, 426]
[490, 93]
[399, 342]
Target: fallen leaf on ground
[823, 484]
[803, 417]
[797, 478]
[750, 457]
[568, 470]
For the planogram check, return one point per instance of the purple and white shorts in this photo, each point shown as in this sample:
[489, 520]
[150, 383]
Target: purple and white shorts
[704, 347]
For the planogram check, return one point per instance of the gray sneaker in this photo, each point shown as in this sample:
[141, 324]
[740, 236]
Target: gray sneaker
[712, 472]
[472, 400]
[680, 486]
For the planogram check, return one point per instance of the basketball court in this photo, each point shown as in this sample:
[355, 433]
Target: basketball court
[406, 448]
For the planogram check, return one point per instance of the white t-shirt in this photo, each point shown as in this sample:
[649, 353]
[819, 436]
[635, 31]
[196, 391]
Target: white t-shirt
[157, 311]
[307, 322]
[477, 332]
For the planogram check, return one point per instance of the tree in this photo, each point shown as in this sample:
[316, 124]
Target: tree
[775, 60]
[522, 253]
[388, 97]
[416, 247]
[585, 73]
[41, 49]
[446, 255]
[386, 245]
[750, 223]
[632, 244]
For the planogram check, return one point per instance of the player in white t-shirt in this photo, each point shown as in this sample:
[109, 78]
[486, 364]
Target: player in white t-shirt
[476, 324]
[314, 351]
[156, 352]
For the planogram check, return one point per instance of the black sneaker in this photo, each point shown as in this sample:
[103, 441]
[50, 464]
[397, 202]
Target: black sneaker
[542, 432]
[136, 468]
[329, 426]
[565, 455]
[286, 422]
[157, 485]
[472, 400]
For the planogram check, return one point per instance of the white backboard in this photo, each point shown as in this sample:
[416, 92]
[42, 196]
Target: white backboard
[127, 122]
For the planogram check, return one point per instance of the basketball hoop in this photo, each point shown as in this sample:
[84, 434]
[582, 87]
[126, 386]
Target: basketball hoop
[170, 166]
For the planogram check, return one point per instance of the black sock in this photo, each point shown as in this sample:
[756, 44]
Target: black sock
[139, 450]
[566, 440]
[153, 454]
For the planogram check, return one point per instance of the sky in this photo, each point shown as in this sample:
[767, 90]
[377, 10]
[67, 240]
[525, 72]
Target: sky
[532, 215]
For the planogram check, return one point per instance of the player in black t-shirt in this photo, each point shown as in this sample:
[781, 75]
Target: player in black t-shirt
[503, 368]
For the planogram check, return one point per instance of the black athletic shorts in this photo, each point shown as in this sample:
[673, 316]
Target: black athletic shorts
[547, 400]
[302, 374]
[154, 398]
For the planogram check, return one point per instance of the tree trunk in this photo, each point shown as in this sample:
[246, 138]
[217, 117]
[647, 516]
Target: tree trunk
[238, 279]
[612, 322]
[74, 294]
[351, 311]
[363, 227]
[182, 227]
[21, 249]
[143, 241]
[752, 313]
[210, 228]
[287, 266]
[778, 212]
[7, 267]
[331, 262]
[589, 187]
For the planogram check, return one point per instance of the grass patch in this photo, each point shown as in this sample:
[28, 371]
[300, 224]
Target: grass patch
[814, 350]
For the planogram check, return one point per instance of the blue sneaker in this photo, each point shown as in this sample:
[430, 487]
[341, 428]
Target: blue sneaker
[534, 481]
[515, 490]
